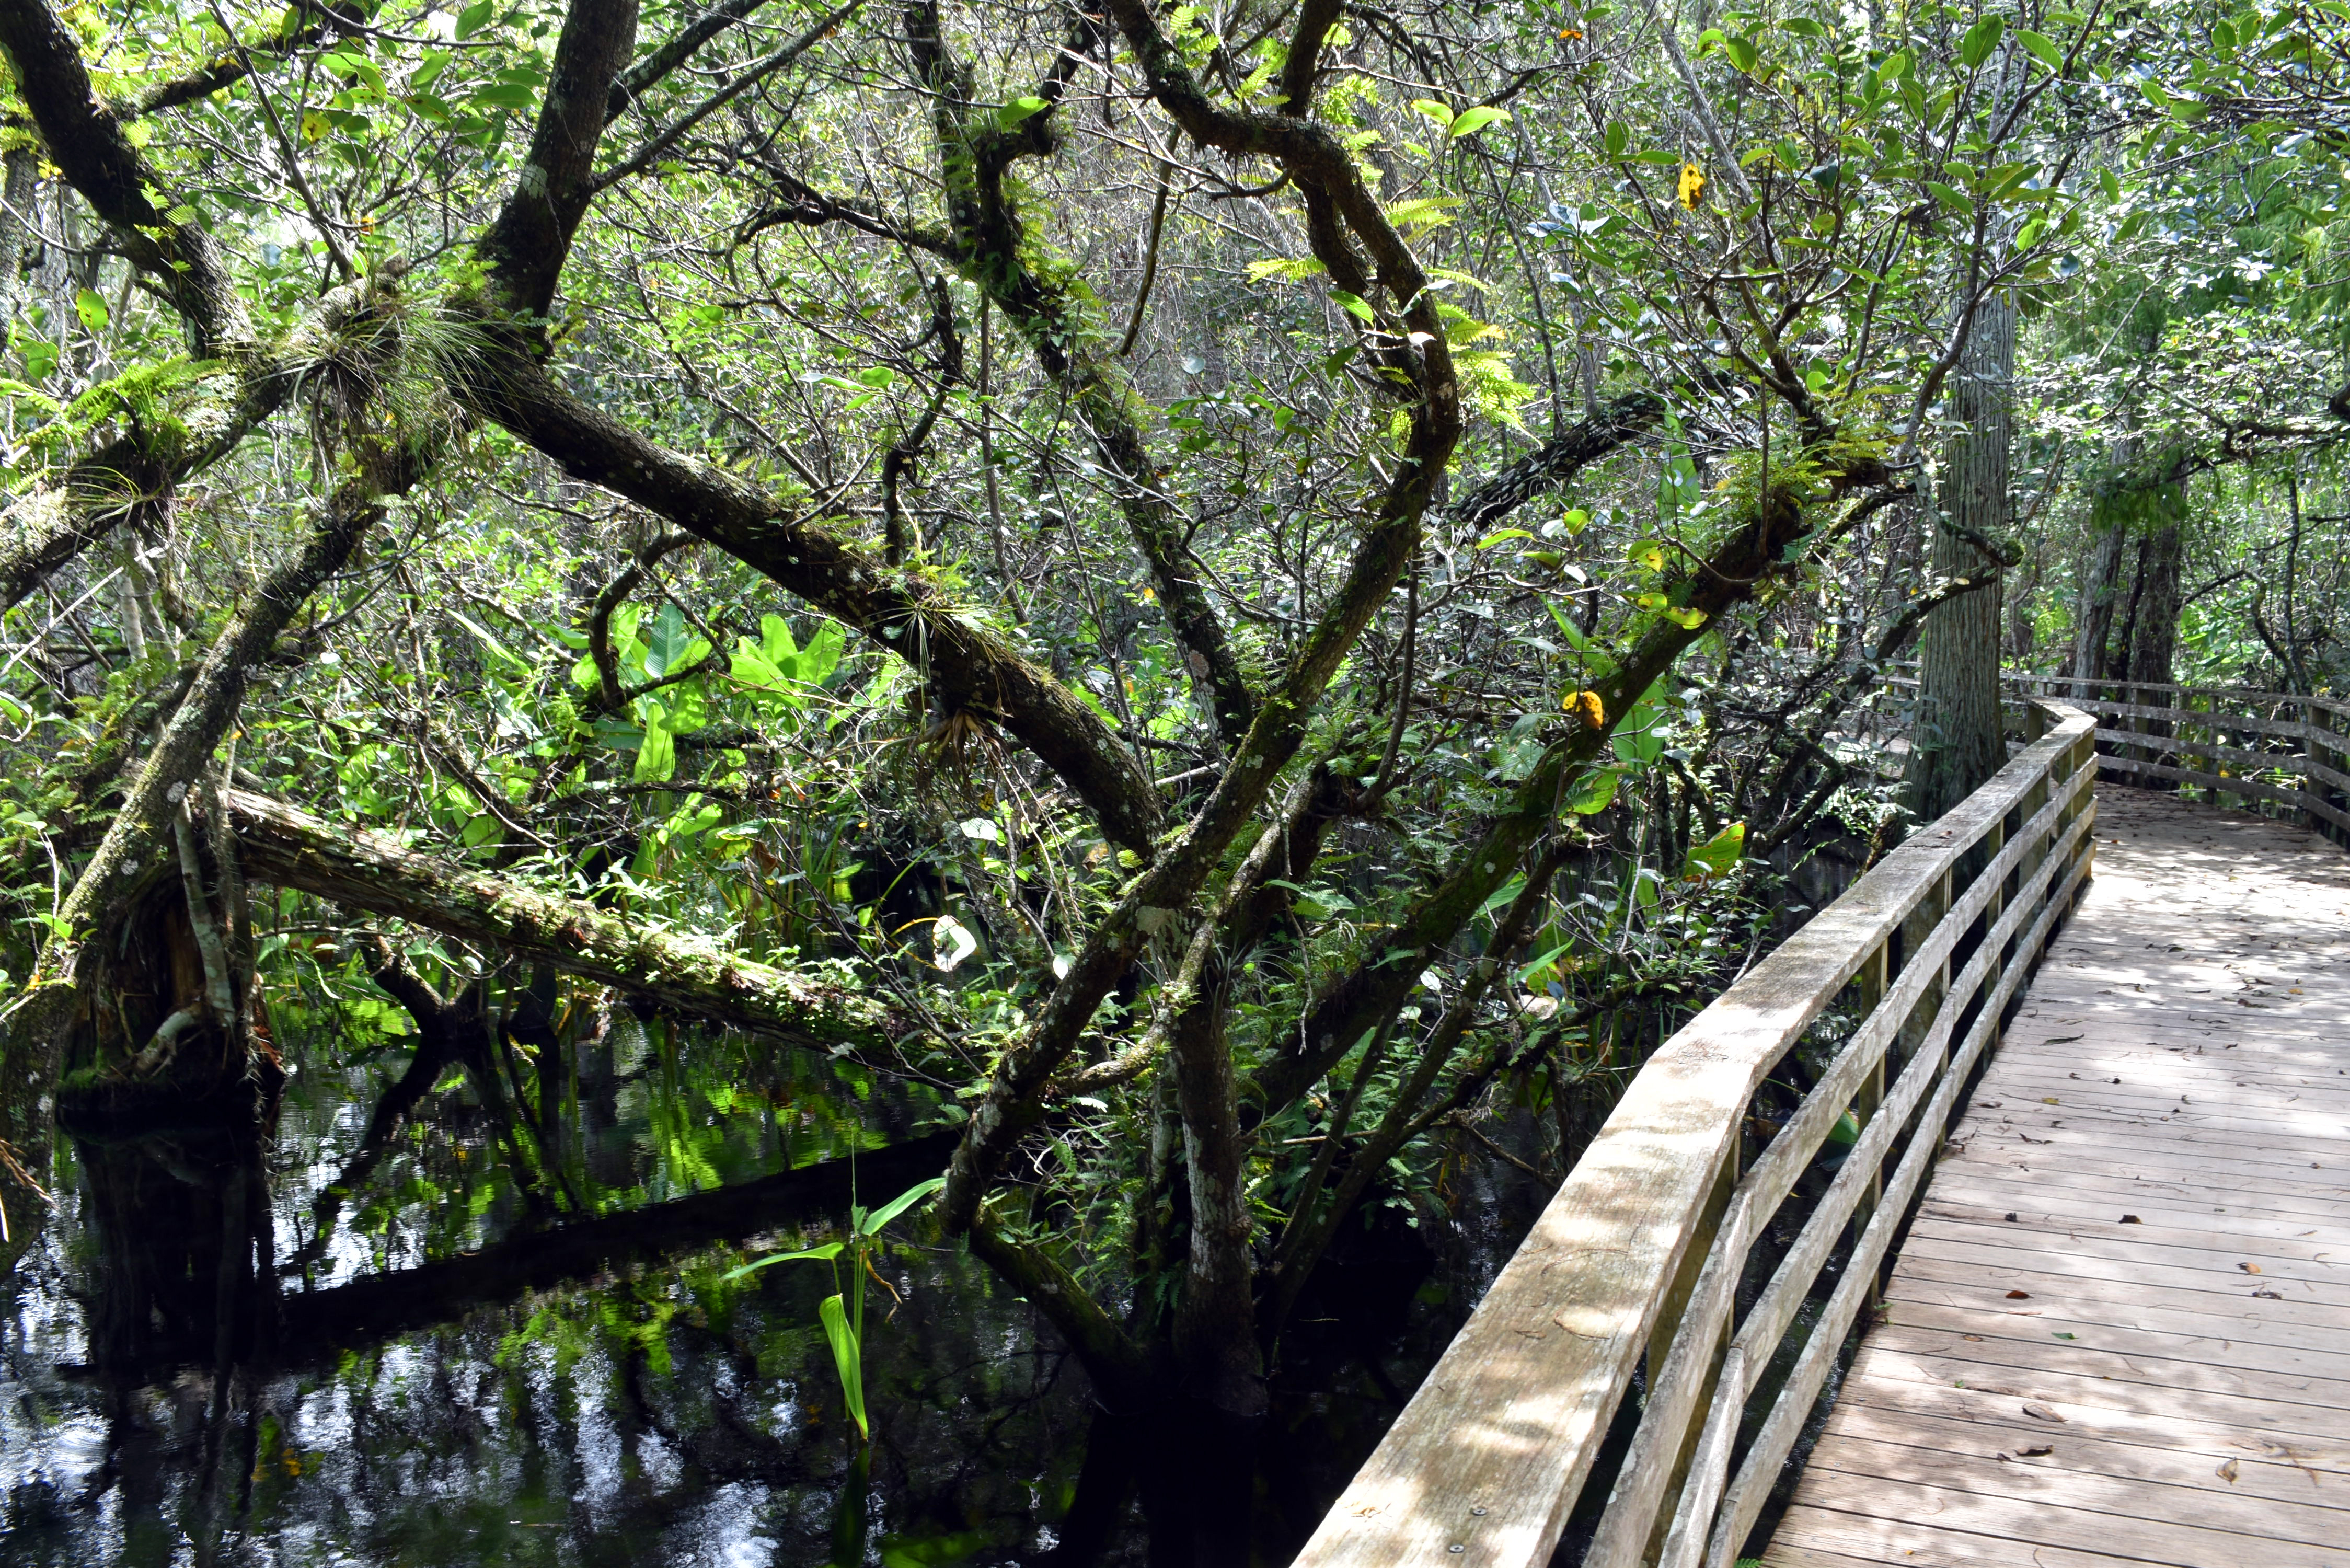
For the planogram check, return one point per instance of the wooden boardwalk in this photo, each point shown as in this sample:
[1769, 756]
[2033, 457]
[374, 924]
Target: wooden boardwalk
[2119, 1330]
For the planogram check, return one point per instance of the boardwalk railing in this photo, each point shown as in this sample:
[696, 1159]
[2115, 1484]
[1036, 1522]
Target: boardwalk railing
[2248, 744]
[1650, 1248]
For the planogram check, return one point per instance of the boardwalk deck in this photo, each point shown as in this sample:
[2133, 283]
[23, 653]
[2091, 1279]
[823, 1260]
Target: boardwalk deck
[2118, 1331]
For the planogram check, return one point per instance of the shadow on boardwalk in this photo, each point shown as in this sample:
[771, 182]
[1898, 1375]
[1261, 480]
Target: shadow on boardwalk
[2119, 1330]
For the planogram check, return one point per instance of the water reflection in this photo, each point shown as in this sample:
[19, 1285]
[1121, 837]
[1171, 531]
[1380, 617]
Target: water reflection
[460, 1328]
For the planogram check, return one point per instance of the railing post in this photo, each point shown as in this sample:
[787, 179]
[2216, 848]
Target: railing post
[1871, 982]
[1671, 1312]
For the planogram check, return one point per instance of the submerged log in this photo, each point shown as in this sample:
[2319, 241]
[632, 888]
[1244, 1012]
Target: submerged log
[318, 1325]
[359, 870]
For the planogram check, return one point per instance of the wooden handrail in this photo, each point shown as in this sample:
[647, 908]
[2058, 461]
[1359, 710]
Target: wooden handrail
[2164, 738]
[1641, 1250]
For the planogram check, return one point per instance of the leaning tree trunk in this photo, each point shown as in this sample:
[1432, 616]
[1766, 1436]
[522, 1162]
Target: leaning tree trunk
[1956, 742]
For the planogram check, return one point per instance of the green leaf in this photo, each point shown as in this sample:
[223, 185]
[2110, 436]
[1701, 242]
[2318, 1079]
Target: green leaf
[1741, 52]
[845, 1358]
[1619, 138]
[506, 95]
[182, 215]
[1951, 197]
[1981, 40]
[475, 17]
[1594, 792]
[665, 645]
[1846, 1131]
[2043, 48]
[1507, 892]
[1019, 110]
[1431, 109]
[1473, 120]
[91, 309]
[657, 757]
[1503, 537]
[872, 1224]
[1718, 856]
[2112, 184]
[776, 640]
[825, 1254]
[822, 655]
[1352, 305]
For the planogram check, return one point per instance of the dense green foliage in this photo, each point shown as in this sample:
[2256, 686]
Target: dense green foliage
[1292, 589]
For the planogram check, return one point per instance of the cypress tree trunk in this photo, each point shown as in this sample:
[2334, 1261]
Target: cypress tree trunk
[2155, 636]
[1956, 742]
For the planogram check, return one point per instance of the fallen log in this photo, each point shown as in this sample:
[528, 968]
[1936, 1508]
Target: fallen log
[286, 846]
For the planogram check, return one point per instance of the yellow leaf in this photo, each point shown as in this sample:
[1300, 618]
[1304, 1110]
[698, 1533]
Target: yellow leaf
[1586, 707]
[1692, 185]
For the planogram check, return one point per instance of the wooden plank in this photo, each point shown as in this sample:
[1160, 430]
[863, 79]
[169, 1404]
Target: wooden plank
[1973, 1326]
[2030, 1528]
[2077, 1488]
[2157, 1247]
[2126, 1255]
[2288, 1322]
[2322, 1457]
[2158, 1360]
[2198, 1466]
[1509, 1421]
[2199, 1423]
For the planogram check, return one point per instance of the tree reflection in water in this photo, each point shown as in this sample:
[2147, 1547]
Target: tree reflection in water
[454, 1331]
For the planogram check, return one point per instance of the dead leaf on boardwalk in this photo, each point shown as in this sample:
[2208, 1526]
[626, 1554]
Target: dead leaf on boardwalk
[2018, 1295]
[2037, 1451]
[2268, 1295]
[2132, 1220]
[2250, 1268]
[2227, 1471]
[2042, 1412]
[2050, 1100]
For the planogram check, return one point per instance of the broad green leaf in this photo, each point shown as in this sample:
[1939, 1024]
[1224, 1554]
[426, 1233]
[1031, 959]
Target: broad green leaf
[776, 640]
[91, 309]
[822, 654]
[825, 1254]
[657, 757]
[1473, 120]
[2043, 48]
[1020, 109]
[845, 1358]
[665, 643]
[872, 1224]
[1718, 856]
[1594, 792]
[1352, 305]
[1502, 894]
[1431, 109]
[1981, 40]
[475, 17]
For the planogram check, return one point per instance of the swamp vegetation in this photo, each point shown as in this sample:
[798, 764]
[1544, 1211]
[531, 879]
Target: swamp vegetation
[1179, 632]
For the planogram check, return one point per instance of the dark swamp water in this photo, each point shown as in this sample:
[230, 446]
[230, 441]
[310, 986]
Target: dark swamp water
[480, 1341]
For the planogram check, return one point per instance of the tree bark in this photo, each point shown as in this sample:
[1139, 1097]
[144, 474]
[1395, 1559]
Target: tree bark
[2153, 636]
[282, 844]
[1957, 741]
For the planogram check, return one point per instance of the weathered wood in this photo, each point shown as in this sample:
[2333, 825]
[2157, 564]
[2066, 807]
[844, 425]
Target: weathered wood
[1743, 1504]
[1488, 1458]
[2167, 1273]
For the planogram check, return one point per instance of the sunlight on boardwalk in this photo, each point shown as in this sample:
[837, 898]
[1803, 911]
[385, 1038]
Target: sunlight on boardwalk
[2119, 1331]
